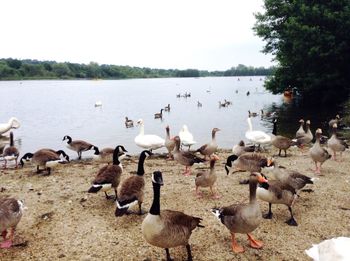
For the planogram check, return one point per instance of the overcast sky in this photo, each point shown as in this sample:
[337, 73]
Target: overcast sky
[181, 34]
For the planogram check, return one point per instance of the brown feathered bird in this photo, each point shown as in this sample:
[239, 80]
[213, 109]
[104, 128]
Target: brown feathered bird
[11, 152]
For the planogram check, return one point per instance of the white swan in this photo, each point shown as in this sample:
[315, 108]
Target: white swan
[256, 136]
[335, 249]
[186, 137]
[13, 123]
[149, 141]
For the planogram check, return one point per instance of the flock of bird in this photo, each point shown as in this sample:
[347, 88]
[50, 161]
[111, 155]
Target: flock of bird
[168, 228]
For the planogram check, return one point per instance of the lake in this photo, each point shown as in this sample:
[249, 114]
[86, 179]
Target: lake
[51, 109]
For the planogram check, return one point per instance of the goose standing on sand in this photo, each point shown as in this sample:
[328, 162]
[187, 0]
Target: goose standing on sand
[207, 179]
[108, 177]
[169, 142]
[77, 145]
[300, 132]
[186, 137]
[46, 158]
[243, 218]
[304, 139]
[185, 158]
[131, 190]
[12, 123]
[317, 153]
[241, 148]
[336, 144]
[11, 152]
[208, 149]
[276, 192]
[167, 228]
[129, 123]
[280, 142]
[149, 141]
[11, 211]
[256, 136]
[159, 115]
[289, 177]
[251, 162]
[106, 155]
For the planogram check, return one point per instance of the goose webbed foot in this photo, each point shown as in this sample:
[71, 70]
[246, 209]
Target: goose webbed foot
[254, 243]
[268, 215]
[292, 222]
[6, 244]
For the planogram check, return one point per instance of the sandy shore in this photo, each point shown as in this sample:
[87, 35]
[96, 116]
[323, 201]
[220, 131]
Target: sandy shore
[64, 222]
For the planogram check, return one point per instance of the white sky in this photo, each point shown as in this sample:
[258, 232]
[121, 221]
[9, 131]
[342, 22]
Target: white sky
[181, 34]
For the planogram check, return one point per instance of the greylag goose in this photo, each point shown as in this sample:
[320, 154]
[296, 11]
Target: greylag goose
[11, 152]
[332, 121]
[317, 153]
[185, 158]
[186, 137]
[243, 218]
[276, 192]
[304, 139]
[108, 177]
[77, 145]
[336, 144]
[300, 131]
[208, 149]
[169, 142]
[148, 141]
[11, 211]
[129, 123]
[167, 228]
[207, 178]
[131, 190]
[46, 158]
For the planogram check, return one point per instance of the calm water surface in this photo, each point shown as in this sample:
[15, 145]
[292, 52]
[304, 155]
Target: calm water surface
[48, 110]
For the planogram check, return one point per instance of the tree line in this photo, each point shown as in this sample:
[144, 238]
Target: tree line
[15, 69]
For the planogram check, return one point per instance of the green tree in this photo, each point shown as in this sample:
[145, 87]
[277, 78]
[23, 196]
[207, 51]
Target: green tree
[310, 41]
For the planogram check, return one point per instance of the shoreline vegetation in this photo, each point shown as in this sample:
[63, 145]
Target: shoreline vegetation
[27, 69]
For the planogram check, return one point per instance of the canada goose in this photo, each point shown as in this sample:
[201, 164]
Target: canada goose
[336, 144]
[11, 211]
[332, 121]
[252, 162]
[77, 145]
[167, 228]
[317, 153]
[280, 142]
[207, 178]
[241, 148]
[252, 114]
[276, 192]
[46, 158]
[149, 141]
[159, 115]
[300, 131]
[106, 154]
[185, 158]
[11, 152]
[289, 177]
[169, 142]
[243, 218]
[108, 177]
[306, 138]
[129, 123]
[186, 137]
[199, 104]
[167, 108]
[209, 148]
[12, 123]
[131, 189]
[256, 136]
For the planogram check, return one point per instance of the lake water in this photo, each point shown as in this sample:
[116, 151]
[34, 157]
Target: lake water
[49, 110]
